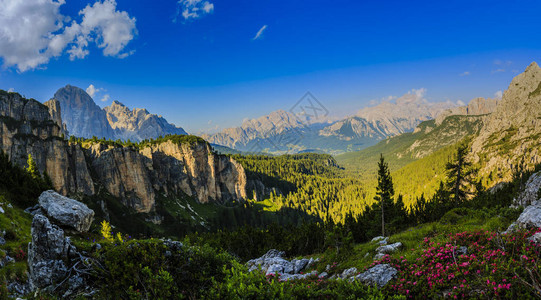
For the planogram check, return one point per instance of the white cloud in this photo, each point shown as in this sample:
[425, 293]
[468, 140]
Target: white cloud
[498, 94]
[259, 34]
[34, 31]
[106, 98]
[498, 71]
[11, 90]
[193, 9]
[92, 90]
[460, 103]
[465, 73]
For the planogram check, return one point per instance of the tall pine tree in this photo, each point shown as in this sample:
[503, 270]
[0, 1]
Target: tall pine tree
[459, 175]
[384, 190]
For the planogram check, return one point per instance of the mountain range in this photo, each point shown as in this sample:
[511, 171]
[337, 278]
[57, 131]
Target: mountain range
[286, 132]
[84, 118]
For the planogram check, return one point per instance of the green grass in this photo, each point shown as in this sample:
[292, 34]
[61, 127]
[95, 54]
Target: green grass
[455, 221]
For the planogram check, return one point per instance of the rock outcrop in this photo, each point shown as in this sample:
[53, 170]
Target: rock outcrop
[132, 174]
[28, 127]
[273, 263]
[47, 253]
[190, 168]
[531, 191]
[65, 211]
[513, 130]
[378, 275]
[476, 107]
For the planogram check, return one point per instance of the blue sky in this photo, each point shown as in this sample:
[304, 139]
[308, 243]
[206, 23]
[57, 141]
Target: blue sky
[199, 64]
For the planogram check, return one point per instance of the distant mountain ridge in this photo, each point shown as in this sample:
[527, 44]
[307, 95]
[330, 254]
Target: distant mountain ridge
[84, 118]
[281, 131]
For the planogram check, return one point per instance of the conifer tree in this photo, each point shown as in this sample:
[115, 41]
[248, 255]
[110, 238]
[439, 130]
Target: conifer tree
[32, 167]
[384, 190]
[459, 175]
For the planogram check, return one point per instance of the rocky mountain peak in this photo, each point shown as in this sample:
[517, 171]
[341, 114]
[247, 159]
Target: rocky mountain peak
[513, 124]
[82, 116]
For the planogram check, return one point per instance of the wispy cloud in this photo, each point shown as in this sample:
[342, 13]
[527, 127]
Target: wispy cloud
[11, 90]
[106, 98]
[498, 94]
[259, 34]
[498, 71]
[193, 9]
[466, 73]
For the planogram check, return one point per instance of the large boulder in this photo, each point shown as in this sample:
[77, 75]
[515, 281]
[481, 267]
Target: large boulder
[378, 275]
[65, 211]
[530, 217]
[47, 253]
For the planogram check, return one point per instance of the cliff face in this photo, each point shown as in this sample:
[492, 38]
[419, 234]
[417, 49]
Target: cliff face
[27, 127]
[136, 175]
[476, 107]
[512, 133]
[133, 175]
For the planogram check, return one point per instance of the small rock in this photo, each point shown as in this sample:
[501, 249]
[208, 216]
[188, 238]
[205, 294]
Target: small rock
[1, 210]
[379, 256]
[381, 240]
[536, 238]
[462, 250]
[348, 272]
[323, 275]
[378, 275]
[2, 241]
[328, 268]
[389, 248]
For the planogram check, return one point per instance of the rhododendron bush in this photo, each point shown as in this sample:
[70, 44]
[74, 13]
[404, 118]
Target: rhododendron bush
[494, 266]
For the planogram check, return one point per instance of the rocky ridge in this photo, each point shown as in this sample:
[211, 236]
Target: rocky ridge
[512, 130]
[138, 124]
[85, 119]
[132, 174]
[476, 107]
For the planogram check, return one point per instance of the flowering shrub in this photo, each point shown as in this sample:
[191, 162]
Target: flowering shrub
[494, 266]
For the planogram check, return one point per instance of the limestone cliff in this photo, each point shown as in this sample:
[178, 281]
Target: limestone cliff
[134, 175]
[27, 127]
[512, 133]
[190, 168]
[476, 107]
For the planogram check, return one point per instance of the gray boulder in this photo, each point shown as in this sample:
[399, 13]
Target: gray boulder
[300, 264]
[378, 275]
[379, 256]
[530, 217]
[47, 252]
[65, 211]
[386, 249]
[380, 240]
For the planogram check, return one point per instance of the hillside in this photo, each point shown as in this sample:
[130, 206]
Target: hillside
[409, 147]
